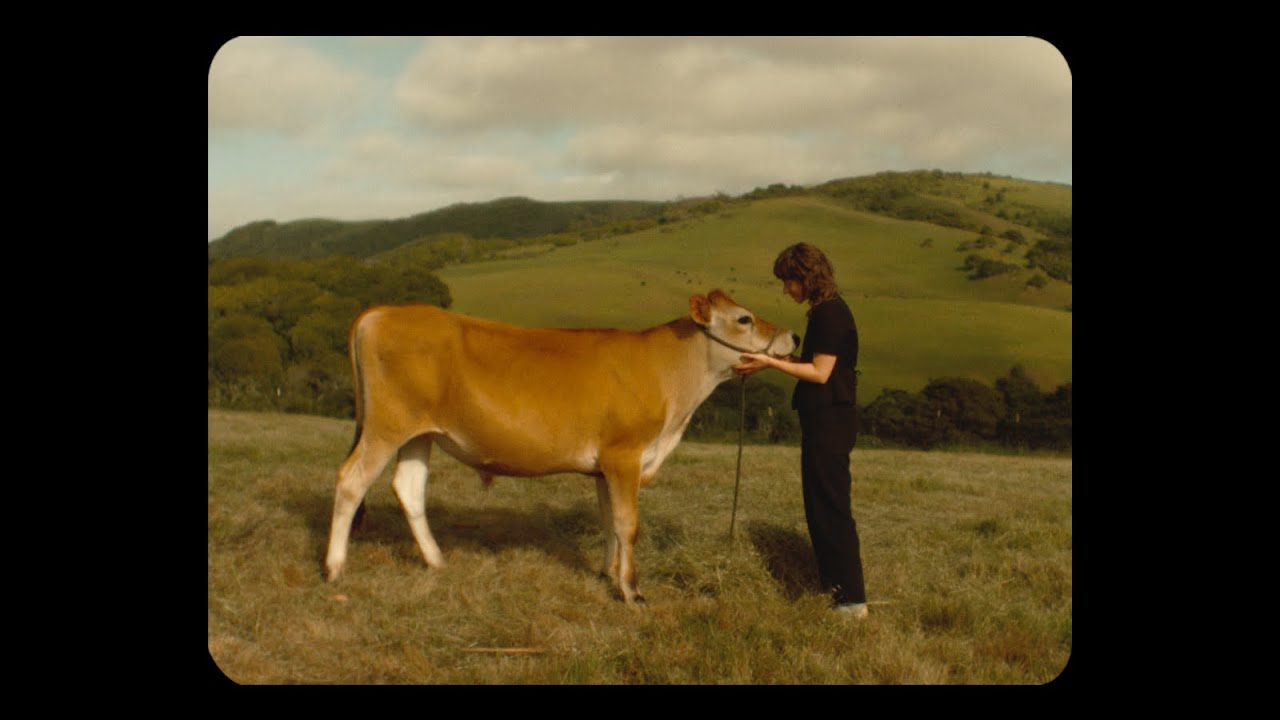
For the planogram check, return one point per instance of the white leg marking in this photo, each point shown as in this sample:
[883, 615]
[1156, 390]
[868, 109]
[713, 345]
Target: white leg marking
[357, 473]
[410, 484]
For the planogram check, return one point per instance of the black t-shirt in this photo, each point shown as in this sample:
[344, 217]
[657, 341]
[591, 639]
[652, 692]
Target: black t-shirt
[831, 331]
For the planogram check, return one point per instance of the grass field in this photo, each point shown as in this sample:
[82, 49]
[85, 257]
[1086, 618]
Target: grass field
[968, 564]
[918, 315]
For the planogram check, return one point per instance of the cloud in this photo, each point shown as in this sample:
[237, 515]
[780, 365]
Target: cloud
[789, 109]
[270, 84]
[732, 84]
[344, 128]
[691, 161]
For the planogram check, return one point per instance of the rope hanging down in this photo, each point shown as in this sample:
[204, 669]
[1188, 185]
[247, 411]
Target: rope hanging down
[742, 421]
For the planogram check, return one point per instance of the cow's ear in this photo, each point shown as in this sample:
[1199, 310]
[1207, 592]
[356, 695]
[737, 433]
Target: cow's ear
[700, 310]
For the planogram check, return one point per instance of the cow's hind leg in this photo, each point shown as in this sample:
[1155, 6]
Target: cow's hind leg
[361, 468]
[410, 484]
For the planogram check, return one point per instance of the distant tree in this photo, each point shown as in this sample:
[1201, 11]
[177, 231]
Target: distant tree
[243, 347]
[1060, 401]
[1053, 256]
[1023, 402]
[237, 270]
[907, 418]
[766, 405]
[769, 416]
[323, 331]
[321, 387]
[1057, 225]
[1021, 395]
[985, 268]
[973, 408]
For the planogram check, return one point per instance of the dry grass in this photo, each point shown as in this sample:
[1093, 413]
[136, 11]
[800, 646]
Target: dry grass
[970, 553]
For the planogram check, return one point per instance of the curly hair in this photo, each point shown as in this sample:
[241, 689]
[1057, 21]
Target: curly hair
[810, 267]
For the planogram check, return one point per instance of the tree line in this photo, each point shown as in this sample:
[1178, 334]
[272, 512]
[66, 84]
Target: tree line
[947, 412]
[278, 341]
[1014, 413]
[278, 328]
[278, 322]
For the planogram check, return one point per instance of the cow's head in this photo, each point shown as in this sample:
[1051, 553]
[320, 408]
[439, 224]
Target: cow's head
[737, 328]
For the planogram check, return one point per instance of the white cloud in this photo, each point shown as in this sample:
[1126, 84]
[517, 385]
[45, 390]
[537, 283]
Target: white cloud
[471, 119]
[731, 84]
[430, 163]
[742, 105]
[269, 84]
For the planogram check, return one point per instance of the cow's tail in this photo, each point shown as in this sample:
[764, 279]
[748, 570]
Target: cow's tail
[357, 377]
[357, 387]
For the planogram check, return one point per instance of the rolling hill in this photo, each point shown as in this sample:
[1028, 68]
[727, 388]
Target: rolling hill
[905, 247]
[506, 218]
[918, 315]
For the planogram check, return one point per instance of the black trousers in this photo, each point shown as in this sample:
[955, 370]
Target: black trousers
[827, 439]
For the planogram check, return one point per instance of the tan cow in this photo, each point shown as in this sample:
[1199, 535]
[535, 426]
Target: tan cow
[525, 402]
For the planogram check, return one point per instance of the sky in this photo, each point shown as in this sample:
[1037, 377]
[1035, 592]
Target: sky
[358, 128]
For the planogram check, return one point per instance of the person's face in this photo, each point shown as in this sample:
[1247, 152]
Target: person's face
[794, 289]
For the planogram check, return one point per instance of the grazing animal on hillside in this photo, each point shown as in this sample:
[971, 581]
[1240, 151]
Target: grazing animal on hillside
[527, 402]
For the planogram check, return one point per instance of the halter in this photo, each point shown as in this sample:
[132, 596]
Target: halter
[739, 348]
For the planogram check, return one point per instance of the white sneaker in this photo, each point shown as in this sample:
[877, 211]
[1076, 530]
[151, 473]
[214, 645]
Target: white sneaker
[857, 611]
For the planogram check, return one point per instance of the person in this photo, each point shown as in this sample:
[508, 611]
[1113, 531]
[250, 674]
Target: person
[826, 400]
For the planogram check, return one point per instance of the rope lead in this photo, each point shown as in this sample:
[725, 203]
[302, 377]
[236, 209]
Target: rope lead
[742, 422]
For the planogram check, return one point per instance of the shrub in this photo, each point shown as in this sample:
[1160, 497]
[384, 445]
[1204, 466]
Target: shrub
[971, 407]
[985, 268]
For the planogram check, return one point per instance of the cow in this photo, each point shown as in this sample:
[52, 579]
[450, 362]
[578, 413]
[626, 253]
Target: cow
[525, 402]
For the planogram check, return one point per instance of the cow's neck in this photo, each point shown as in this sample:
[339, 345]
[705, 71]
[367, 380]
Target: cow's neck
[702, 359]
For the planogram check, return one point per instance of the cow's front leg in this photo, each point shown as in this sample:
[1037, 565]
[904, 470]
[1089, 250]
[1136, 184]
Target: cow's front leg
[623, 477]
[610, 567]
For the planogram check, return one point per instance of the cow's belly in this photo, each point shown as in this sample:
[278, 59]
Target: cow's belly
[513, 458]
[534, 452]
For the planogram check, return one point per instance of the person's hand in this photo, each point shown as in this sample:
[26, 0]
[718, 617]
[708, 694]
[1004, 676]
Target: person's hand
[753, 363]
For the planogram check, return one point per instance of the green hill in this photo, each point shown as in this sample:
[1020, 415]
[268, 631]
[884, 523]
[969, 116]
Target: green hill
[919, 316]
[507, 218]
[948, 275]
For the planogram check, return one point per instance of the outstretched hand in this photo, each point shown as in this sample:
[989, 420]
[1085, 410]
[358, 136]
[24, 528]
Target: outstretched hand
[753, 363]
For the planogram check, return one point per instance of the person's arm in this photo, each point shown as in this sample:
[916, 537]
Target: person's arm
[818, 371]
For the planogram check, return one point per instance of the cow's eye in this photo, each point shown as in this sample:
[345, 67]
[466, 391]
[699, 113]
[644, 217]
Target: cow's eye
[744, 319]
